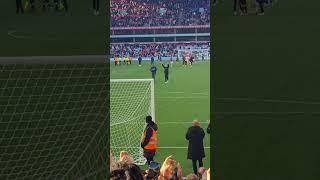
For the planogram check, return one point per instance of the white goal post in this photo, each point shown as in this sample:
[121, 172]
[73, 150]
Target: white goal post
[131, 100]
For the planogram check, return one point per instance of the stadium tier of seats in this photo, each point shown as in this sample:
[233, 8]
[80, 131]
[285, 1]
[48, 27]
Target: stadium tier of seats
[136, 13]
[154, 49]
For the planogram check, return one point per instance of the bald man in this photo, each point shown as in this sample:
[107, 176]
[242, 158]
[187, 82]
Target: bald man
[195, 135]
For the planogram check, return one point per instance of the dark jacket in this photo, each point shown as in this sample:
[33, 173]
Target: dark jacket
[166, 68]
[195, 135]
[151, 126]
[153, 69]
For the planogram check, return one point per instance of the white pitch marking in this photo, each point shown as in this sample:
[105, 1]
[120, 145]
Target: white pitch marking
[11, 33]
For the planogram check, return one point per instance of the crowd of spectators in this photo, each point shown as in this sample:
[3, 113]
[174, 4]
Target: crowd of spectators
[125, 168]
[149, 50]
[137, 13]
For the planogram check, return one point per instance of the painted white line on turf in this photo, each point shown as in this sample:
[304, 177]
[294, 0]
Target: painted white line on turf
[12, 34]
[269, 100]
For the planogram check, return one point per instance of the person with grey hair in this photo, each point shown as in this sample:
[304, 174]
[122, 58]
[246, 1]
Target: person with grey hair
[195, 136]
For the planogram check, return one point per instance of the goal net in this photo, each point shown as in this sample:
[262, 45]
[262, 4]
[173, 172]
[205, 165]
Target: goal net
[131, 100]
[53, 120]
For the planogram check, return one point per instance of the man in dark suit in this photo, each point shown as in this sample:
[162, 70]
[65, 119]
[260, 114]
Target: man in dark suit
[19, 6]
[64, 3]
[261, 4]
[96, 7]
[242, 5]
[195, 135]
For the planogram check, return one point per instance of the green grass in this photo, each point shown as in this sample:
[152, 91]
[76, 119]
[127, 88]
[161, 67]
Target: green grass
[267, 64]
[183, 99]
[46, 33]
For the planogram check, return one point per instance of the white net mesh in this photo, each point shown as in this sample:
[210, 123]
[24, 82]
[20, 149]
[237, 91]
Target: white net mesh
[130, 102]
[53, 121]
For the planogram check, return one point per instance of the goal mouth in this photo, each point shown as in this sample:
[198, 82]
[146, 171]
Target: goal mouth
[131, 100]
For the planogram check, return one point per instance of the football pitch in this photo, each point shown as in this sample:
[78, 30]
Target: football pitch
[78, 32]
[186, 97]
[266, 93]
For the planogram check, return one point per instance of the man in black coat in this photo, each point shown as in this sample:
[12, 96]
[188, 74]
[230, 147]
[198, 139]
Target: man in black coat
[166, 72]
[149, 140]
[139, 60]
[19, 6]
[261, 4]
[195, 135]
[64, 2]
[96, 7]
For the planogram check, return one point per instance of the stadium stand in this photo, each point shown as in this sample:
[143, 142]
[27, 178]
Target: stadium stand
[147, 50]
[139, 13]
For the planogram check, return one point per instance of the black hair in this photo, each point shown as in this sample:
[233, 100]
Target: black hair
[148, 119]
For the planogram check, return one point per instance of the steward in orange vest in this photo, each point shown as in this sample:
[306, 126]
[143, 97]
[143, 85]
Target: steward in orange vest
[116, 60]
[149, 139]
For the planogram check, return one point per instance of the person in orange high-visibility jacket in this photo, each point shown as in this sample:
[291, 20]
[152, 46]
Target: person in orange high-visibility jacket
[116, 60]
[149, 140]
